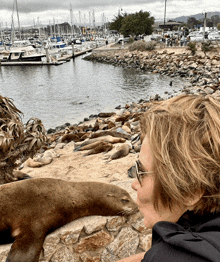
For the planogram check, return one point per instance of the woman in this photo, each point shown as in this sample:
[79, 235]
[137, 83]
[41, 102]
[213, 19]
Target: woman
[178, 180]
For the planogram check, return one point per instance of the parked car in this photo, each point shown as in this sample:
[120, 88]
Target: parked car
[125, 39]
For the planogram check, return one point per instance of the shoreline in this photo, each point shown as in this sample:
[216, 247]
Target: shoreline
[201, 73]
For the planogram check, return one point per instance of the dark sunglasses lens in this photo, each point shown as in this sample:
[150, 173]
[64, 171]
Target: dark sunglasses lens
[132, 172]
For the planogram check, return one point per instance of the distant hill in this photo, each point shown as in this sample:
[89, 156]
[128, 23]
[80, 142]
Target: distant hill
[197, 16]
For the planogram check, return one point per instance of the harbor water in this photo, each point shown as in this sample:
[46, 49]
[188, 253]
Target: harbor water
[77, 89]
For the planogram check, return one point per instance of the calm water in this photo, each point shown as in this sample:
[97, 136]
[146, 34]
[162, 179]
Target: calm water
[77, 89]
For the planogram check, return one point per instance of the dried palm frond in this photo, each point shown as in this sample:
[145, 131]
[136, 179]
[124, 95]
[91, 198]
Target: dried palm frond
[8, 108]
[34, 124]
[17, 141]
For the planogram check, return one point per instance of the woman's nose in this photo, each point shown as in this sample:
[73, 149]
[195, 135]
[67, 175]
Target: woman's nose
[135, 184]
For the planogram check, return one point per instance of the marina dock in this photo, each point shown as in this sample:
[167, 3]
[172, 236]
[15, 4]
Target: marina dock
[59, 61]
[27, 63]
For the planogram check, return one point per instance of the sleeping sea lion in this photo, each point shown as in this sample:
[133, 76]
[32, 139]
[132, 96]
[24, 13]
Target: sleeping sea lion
[111, 133]
[99, 148]
[108, 139]
[31, 209]
[93, 145]
[70, 137]
[32, 163]
[122, 151]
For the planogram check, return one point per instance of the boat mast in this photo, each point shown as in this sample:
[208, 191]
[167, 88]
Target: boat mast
[80, 31]
[71, 19]
[16, 3]
[93, 20]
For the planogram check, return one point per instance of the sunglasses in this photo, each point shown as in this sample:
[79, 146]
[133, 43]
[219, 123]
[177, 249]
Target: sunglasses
[139, 171]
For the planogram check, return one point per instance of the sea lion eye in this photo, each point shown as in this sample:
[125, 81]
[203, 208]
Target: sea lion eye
[124, 201]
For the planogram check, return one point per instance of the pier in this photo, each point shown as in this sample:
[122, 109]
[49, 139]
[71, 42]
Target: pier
[59, 61]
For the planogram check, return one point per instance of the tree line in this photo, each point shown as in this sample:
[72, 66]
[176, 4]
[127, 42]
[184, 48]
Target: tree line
[214, 21]
[139, 23]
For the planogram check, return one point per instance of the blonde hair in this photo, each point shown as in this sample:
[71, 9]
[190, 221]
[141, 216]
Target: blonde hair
[184, 135]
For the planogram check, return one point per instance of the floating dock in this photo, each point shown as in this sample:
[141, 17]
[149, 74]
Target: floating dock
[59, 61]
[75, 54]
[29, 63]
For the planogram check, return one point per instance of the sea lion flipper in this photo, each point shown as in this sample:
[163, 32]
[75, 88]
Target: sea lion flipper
[26, 248]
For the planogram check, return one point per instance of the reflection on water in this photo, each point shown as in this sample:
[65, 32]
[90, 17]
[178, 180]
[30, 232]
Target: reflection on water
[74, 90]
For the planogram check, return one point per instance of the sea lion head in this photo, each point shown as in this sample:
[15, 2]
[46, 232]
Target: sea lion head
[113, 200]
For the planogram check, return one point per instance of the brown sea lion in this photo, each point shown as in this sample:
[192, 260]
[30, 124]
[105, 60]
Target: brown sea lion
[106, 114]
[108, 139]
[122, 151]
[137, 146]
[45, 160]
[70, 137]
[85, 136]
[31, 163]
[33, 208]
[126, 129]
[93, 145]
[110, 133]
[100, 148]
[18, 175]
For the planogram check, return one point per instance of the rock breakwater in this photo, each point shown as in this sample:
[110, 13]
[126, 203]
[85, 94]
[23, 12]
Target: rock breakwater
[202, 72]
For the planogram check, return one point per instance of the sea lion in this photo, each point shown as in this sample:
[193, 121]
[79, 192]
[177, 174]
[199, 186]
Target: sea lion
[126, 129]
[99, 148]
[70, 137]
[45, 160]
[31, 209]
[108, 139]
[93, 145]
[32, 163]
[122, 151]
[18, 175]
[111, 133]
[104, 115]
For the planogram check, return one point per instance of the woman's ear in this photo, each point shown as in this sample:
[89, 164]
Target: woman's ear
[190, 202]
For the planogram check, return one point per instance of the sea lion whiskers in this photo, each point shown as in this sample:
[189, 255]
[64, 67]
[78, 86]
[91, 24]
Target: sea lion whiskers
[128, 211]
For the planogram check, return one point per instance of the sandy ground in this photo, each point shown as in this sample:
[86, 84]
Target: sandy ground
[74, 166]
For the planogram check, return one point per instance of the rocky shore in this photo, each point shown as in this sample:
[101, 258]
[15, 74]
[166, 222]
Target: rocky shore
[202, 72]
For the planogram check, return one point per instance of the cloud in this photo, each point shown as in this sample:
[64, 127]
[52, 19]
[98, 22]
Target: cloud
[26, 6]
[46, 10]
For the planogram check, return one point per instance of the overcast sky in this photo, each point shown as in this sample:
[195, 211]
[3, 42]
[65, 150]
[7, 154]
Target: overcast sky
[43, 11]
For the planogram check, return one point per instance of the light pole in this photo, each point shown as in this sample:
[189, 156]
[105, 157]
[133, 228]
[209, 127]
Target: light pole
[165, 12]
[204, 26]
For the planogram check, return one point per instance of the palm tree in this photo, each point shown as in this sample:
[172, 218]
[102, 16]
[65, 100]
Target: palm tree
[18, 142]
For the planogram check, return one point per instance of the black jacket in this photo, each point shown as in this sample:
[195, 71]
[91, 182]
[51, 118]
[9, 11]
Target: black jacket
[192, 239]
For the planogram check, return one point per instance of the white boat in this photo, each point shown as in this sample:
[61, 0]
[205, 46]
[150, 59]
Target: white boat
[22, 54]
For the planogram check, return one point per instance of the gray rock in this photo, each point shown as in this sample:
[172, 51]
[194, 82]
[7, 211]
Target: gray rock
[124, 245]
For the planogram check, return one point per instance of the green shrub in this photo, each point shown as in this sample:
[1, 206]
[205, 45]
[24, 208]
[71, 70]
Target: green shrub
[206, 47]
[130, 41]
[192, 47]
[141, 45]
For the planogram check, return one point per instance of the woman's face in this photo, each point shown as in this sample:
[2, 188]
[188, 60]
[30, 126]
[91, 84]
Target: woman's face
[145, 193]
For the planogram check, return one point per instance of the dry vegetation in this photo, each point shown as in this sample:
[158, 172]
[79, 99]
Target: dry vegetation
[17, 141]
[142, 45]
